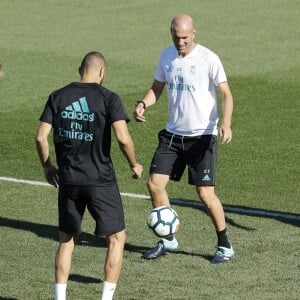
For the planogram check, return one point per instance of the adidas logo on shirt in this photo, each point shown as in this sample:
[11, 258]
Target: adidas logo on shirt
[78, 110]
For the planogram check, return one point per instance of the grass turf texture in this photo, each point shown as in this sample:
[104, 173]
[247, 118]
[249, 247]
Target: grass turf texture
[42, 43]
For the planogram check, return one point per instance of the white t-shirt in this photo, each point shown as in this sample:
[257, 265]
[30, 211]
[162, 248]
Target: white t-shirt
[191, 84]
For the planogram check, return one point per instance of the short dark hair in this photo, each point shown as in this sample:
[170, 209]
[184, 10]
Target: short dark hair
[89, 60]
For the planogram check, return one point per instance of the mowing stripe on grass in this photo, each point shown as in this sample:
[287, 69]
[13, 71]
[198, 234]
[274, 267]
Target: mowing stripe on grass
[196, 204]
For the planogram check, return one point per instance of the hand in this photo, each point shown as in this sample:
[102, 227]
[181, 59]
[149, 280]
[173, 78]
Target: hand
[51, 176]
[225, 133]
[139, 113]
[137, 170]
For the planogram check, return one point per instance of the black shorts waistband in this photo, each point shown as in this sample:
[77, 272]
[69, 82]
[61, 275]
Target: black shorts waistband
[184, 137]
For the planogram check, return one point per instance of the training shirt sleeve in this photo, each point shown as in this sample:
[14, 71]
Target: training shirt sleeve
[159, 74]
[117, 110]
[216, 70]
[47, 114]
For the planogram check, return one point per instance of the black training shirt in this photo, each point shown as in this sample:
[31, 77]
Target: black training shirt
[81, 115]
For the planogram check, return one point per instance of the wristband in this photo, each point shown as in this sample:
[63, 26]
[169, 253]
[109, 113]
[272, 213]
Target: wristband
[140, 101]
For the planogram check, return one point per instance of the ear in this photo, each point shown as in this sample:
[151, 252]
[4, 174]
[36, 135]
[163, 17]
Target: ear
[101, 73]
[80, 71]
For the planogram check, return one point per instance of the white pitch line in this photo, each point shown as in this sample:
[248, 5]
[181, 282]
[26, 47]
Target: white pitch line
[25, 181]
[254, 212]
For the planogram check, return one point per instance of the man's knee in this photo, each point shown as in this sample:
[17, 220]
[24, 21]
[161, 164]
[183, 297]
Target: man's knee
[157, 183]
[65, 238]
[207, 194]
[153, 186]
[117, 238]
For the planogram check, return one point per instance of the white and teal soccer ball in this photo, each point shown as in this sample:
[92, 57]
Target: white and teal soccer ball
[163, 221]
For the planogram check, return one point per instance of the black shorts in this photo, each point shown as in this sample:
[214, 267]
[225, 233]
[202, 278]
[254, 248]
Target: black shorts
[103, 202]
[175, 152]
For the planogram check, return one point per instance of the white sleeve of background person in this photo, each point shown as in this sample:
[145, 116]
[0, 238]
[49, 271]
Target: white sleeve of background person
[191, 85]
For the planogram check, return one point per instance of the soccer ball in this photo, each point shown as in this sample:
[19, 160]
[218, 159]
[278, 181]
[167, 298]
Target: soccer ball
[163, 221]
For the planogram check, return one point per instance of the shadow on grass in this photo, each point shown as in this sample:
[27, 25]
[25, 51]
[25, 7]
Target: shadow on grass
[284, 217]
[87, 239]
[51, 232]
[84, 279]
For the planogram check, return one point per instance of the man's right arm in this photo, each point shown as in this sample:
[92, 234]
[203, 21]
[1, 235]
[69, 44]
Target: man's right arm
[42, 147]
[149, 99]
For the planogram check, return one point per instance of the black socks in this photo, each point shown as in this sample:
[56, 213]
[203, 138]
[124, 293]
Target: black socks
[223, 239]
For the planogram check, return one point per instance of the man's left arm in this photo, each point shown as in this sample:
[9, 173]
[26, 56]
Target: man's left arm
[127, 147]
[227, 108]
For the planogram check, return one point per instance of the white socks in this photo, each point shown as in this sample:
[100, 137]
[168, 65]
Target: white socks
[108, 290]
[60, 291]
[170, 245]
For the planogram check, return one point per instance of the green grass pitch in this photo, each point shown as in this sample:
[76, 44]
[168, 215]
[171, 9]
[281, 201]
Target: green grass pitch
[42, 44]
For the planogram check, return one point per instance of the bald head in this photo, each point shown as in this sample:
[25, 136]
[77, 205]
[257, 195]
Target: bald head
[92, 66]
[182, 22]
[183, 34]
